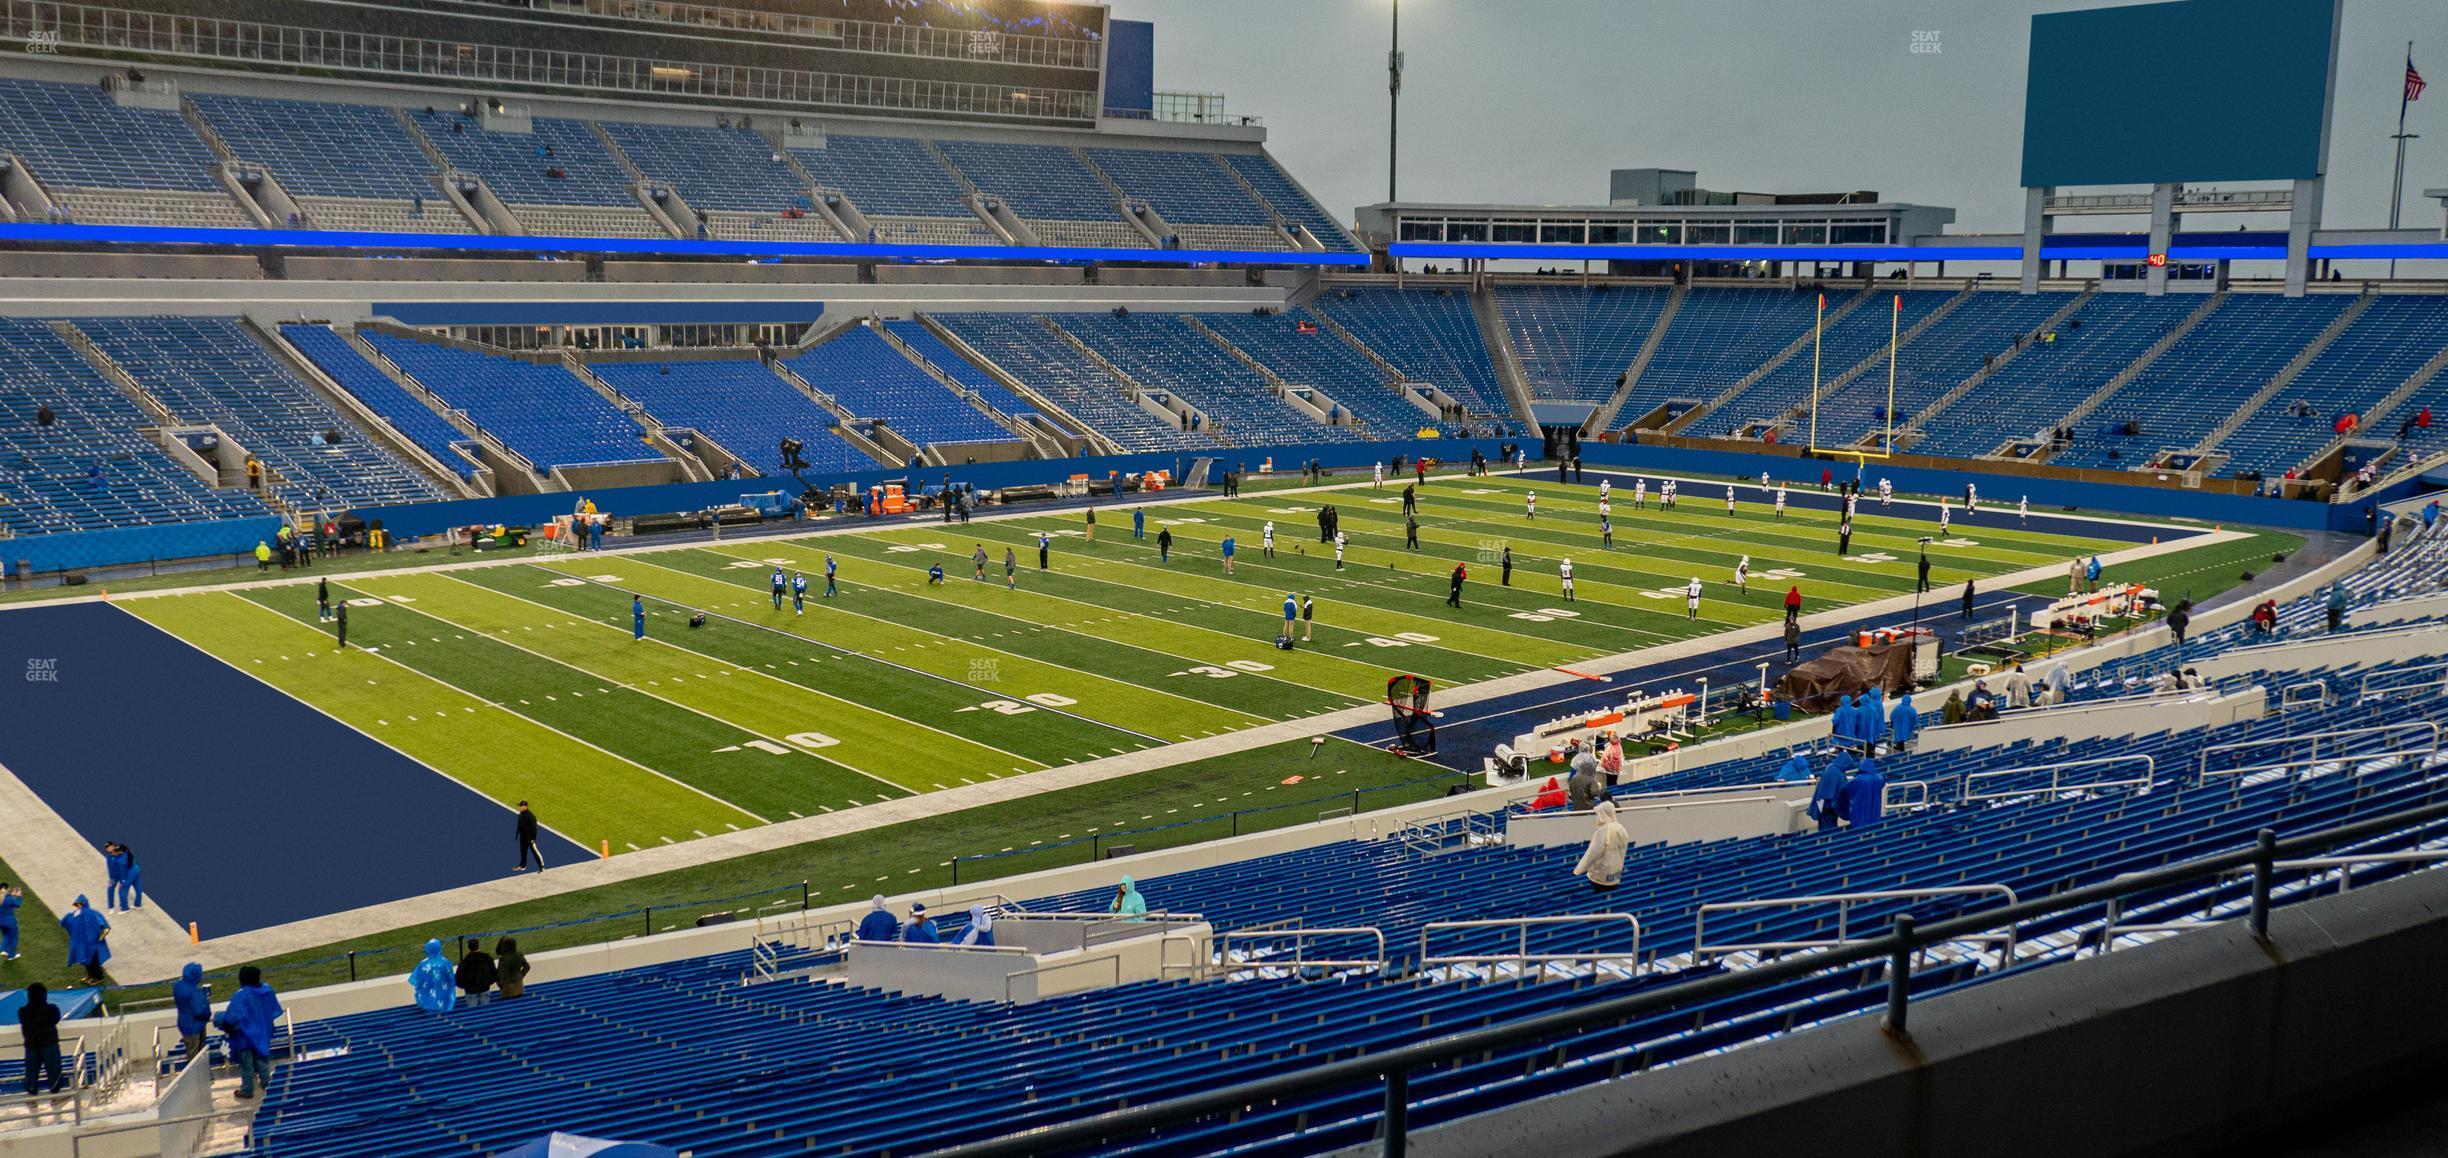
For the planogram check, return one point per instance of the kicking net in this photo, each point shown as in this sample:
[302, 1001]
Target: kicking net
[1414, 723]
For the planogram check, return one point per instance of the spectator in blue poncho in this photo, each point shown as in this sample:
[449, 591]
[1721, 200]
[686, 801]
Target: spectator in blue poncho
[1127, 901]
[88, 938]
[1870, 717]
[434, 981]
[1840, 721]
[1824, 793]
[1905, 722]
[194, 1004]
[921, 928]
[878, 924]
[1796, 768]
[1864, 796]
[247, 1024]
[981, 927]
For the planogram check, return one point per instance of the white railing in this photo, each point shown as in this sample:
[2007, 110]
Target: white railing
[1300, 936]
[1521, 954]
[2150, 771]
[2115, 926]
[2427, 679]
[1844, 903]
[1904, 794]
[2314, 740]
[2309, 693]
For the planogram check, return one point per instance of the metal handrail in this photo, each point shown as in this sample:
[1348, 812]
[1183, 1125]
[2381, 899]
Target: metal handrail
[1521, 954]
[2150, 773]
[2357, 762]
[2113, 926]
[1393, 1067]
[1904, 794]
[2288, 700]
[2435, 674]
[1113, 959]
[1844, 903]
[1301, 936]
[2315, 737]
[1193, 969]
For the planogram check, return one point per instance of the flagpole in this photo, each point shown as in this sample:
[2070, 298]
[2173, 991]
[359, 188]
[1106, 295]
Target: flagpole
[2397, 184]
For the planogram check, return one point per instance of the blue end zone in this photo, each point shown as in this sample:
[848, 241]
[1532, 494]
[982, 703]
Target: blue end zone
[246, 808]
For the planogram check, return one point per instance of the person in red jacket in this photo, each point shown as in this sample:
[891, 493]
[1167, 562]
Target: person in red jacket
[1552, 795]
[1453, 596]
[1793, 604]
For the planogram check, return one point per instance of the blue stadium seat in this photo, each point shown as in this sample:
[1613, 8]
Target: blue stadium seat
[1289, 202]
[1162, 352]
[1022, 346]
[90, 470]
[538, 409]
[2368, 361]
[404, 412]
[209, 370]
[874, 380]
[1574, 342]
[75, 135]
[1429, 334]
[740, 404]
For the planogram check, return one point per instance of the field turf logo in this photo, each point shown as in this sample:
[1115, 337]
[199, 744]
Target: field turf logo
[1925, 42]
[985, 671]
[42, 671]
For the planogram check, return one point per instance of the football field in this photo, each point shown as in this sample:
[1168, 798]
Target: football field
[520, 680]
[523, 680]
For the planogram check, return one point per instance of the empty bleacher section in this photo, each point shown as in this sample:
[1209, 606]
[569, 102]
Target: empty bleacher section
[1315, 356]
[1288, 202]
[1953, 349]
[349, 167]
[1719, 336]
[1428, 334]
[90, 469]
[1164, 352]
[210, 371]
[871, 379]
[1022, 346]
[2200, 381]
[740, 404]
[557, 178]
[2050, 375]
[739, 184]
[1846, 341]
[539, 410]
[1050, 189]
[104, 163]
[1574, 342]
[2375, 354]
[1207, 208]
[402, 411]
[923, 342]
[905, 194]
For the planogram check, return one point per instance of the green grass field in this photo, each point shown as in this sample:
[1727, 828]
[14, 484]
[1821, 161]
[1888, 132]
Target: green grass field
[1134, 652]
[521, 679]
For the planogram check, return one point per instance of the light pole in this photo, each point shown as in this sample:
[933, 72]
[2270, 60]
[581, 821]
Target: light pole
[1394, 67]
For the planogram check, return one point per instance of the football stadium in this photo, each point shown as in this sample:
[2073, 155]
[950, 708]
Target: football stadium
[1003, 609]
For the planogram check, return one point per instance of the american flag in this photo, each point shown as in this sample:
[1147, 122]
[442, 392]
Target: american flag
[2414, 81]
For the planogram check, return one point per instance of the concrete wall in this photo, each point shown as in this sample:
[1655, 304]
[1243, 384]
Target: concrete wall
[1680, 820]
[2190, 1045]
[2123, 717]
[1025, 975]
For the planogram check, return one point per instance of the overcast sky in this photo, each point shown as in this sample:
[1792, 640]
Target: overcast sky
[1534, 100]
